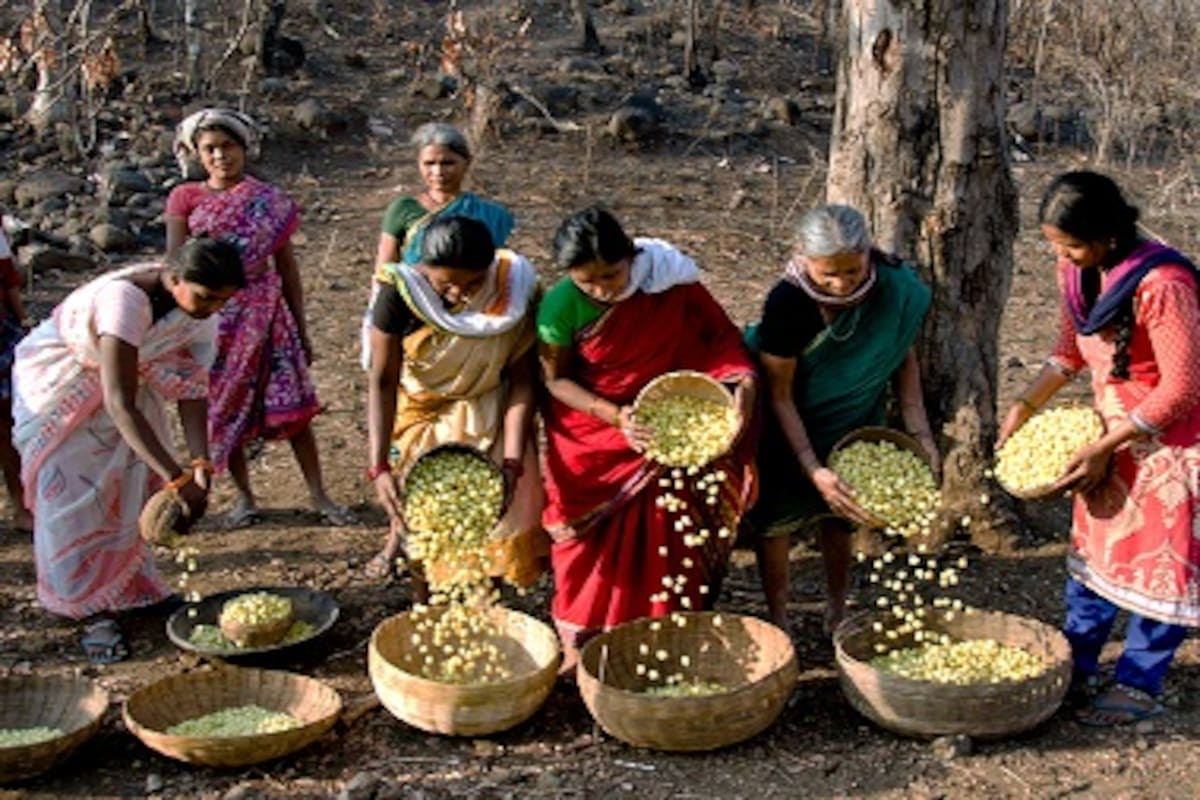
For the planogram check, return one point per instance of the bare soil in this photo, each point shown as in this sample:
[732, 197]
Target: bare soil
[727, 197]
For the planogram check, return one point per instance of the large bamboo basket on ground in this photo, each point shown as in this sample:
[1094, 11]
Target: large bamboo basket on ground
[150, 711]
[753, 658]
[1049, 490]
[925, 708]
[464, 709]
[687, 383]
[73, 705]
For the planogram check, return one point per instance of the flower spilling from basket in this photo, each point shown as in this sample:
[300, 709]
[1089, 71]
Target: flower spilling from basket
[247, 720]
[687, 431]
[1037, 454]
[452, 500]
[969, 662]
[209, 637]
[891, 483]
[23, 737]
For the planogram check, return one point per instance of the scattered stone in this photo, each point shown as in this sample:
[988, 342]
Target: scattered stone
[781, 109]
[154, 783]
[40, 258]
[361, 787]
[485, 748]
[50, 205]
[6, 192]
[119, 182]
[433, 87]
[579, 64]
[948, 748]
[112, 238]
[310, 114]
[355, 60]
[639, 118]
[242, 791]
[561, 101]
[46, 183]
[725, 71]
[273, 87]
[1145, 727]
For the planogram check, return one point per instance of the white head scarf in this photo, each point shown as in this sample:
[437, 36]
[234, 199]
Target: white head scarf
[236, 121]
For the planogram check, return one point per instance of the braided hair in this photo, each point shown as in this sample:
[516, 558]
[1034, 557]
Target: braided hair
[1090, 207]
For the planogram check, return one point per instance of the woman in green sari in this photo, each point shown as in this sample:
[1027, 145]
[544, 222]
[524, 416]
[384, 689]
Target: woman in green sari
[836, 332]
[443, 159]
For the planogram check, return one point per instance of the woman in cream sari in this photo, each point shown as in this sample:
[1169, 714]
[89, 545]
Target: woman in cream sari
[452, 361]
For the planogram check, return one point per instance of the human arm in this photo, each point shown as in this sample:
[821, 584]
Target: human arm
[912, 408]
[383, 383]
[388, 249]
[518, 414]
[556, 364]
[193, 417]
[177, 233]
[293, 292]
[837, 493]
[119, 385]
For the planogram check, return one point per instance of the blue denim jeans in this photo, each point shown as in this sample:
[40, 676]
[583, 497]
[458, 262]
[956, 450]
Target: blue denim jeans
[1149, 645]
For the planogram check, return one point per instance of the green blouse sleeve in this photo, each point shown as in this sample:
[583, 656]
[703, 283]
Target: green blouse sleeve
[401, 213]
[563, 312]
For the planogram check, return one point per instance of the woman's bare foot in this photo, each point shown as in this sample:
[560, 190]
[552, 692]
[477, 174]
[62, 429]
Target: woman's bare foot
[244, 514]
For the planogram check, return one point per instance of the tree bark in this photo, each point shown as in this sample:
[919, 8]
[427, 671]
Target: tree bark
[589, 42]
[193, 33]
[53, 96]
[919, 146]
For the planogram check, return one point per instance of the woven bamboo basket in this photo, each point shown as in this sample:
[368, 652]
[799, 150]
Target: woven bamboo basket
[163, 517]
[256, 634]
[1049, 490]
[753, 658]
[464, 709]
[454, 447]
[687, 383]
[73, 705]
[880, 434]
[925, 708]
[150, 711]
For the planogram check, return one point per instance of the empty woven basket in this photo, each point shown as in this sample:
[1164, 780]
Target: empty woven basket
[464, 709]
[150, 711]
[753, 658]
[73, 705]
[925, 708]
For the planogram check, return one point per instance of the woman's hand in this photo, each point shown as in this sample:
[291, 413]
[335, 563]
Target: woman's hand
[1086, 470]
[306, 343]
[195, 498]
[929, 445]
[512, 470]
[1017, 416]
[388, 495]
[636, 434]
[744, 399]
[839, 495]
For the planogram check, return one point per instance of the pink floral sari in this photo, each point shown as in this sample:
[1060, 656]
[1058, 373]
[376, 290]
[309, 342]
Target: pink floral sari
[83, 482]
[261, 387]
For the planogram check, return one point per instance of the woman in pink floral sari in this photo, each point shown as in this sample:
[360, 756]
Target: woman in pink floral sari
[91, 384]
[261, 388]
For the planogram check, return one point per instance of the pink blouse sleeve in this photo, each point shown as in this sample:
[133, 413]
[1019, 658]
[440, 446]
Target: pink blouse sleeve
[123, 310]
[1169, 311]
[183, 199]
[1066, 353]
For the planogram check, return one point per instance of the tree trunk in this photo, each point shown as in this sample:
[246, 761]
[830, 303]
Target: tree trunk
[919, 146]
[589, 42]
[193, 33]
[53, 96]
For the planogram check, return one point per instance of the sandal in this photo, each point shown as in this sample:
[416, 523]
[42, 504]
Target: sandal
[382, 568]
[1120, 705]
[240, 516]
[1082, 691]
[103, 642]
[337, 516]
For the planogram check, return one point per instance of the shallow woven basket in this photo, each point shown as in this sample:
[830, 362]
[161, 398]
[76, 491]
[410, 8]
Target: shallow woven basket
[881, 434]
[150, 711]
[1049, 490]
[687, 383]
[464, 709]
[162, 517]
[925, 708]
[73, 705]
[256, 634]
[452, 447]
[753, 658]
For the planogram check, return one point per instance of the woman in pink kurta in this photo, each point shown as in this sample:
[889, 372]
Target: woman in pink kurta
[1130, 314]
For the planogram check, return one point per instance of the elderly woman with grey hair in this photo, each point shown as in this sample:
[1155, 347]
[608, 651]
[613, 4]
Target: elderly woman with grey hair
[837, 330]
[443, 158]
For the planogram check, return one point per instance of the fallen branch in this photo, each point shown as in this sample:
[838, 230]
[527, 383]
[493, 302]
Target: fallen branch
[561, 127]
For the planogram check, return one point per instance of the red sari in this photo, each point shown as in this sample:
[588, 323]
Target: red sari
[600, 495]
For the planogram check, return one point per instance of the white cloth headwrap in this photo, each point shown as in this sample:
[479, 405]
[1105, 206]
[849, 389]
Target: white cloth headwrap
[522, 280]
[657, 267]
[236, 121]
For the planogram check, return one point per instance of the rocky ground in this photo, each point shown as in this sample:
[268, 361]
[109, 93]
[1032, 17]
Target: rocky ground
[721, 171]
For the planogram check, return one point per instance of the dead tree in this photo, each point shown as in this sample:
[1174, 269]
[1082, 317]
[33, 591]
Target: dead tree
[919, 146]
[45, 33]
[589, 42]
[193, 35]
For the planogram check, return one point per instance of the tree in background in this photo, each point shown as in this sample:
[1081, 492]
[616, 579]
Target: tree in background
[919, 146]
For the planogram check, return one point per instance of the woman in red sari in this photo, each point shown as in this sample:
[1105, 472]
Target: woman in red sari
[613, 544]
[1130, 314]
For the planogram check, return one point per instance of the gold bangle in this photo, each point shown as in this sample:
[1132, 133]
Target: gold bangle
[200, 462]
[178, 482]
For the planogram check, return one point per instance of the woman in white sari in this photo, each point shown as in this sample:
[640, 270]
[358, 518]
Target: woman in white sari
[91, 385]
[452, 360]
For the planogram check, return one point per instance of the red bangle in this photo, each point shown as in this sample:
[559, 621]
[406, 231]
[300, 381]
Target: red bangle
[381, 468]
